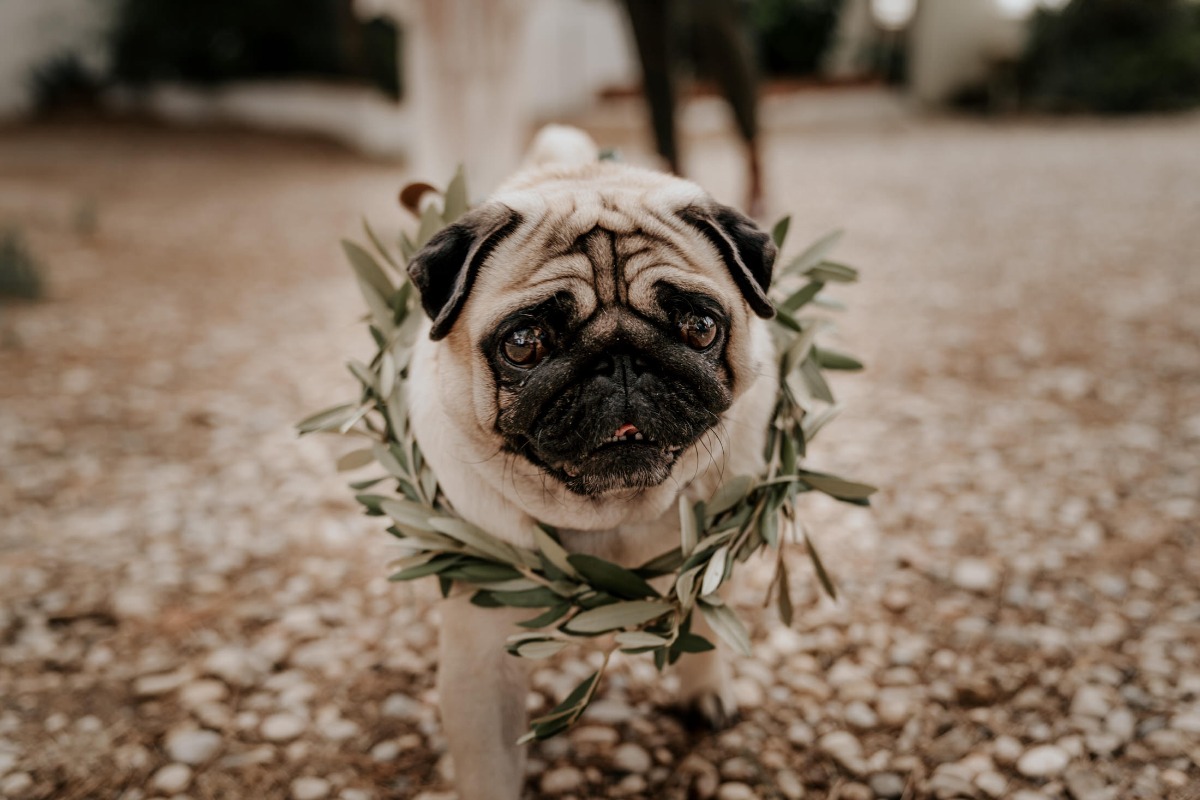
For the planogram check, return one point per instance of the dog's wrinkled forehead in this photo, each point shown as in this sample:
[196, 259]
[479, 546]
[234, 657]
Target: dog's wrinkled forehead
[584, 199]
[602, 233]
[601, 244]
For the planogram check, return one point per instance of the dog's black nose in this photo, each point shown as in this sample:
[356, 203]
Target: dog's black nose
[621, 367]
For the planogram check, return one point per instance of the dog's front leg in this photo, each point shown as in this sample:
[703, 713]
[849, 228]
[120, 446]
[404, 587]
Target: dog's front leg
[482, 691]
[704, 681]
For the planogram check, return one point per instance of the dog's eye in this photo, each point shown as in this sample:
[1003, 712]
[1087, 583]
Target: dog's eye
[698, 330]
[525, 347]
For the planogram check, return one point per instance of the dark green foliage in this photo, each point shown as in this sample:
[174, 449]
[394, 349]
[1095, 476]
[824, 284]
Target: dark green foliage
[793, 35]
[63, 82]
[1114, 57]
[222, 40]
[20, 272]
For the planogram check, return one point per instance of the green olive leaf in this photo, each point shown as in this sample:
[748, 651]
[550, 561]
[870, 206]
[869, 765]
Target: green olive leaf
[819, 567]
[475, 538]
[685, 586]
[542, 649]
[387, 374]
[331, 419]
[837, 487]
[729, 495]
[553, 551]
[615, 580]
[784, 596]
[549, 617]
[832, 359]
[456, 197]
[714, 573]
[640, 639]
[779, 232]
[431, 223]
[815, 382]
[617, 615]
[693, 643]
[379, 248]
[367, 269]
[727, 626]
[355, 459]
[802, 296]
[541, 597]
[831, 271]
[814, 255]
[689, 528]
[406, 513]
[388, 459]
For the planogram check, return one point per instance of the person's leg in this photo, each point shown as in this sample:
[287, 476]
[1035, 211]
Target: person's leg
[652, 22]
[723, 36]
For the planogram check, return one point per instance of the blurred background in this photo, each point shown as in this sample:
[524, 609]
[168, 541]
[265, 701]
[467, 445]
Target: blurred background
[190, 603]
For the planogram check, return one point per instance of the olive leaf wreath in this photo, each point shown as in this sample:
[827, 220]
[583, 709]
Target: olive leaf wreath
[576, 595]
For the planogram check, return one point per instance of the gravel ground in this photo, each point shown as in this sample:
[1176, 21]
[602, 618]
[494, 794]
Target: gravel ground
[192, 606]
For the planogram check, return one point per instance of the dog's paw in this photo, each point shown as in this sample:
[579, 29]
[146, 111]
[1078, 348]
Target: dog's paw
[710, 710]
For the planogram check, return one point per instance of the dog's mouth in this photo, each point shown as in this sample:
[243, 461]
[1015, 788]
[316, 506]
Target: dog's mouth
[628, 459]
[626, 436]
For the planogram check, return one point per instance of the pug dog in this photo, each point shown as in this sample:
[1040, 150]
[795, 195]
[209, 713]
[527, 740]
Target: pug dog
[596, 347]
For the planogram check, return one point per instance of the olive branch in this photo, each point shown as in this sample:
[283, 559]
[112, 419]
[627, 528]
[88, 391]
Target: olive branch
[574, 595]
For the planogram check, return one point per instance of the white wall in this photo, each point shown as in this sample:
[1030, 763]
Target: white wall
[573, 49]
[561, 53]
[952, 42]
[34, 31]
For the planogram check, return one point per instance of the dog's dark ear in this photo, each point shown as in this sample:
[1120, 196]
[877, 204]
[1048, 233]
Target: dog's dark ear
[748, 251]
[445, 268]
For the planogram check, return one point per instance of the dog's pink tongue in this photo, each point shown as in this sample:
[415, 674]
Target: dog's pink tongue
[625, 429]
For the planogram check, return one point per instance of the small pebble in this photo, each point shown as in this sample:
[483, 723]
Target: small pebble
[738, 769]
[800, 734]
[16, 784]
[562, 780]
[233, 665]
[202, 692]
[895, 705]
[887, 785]
[386, 750]
[172, 779]
[1176, 779]
[1043, 761]
[310, 789]
[948, 786]
[991, 783]
[630, 785]
[594, 735]
[859, 715]
[856, 791]
[1084, 783]
[401, 706]
[735, 791]
[1006, 750]
[608, 712]
[845, 749]
[162, 683]
[1089, 701]
[191, 746]
[1121, 723]
[631, 757]
[338, 730]
[282, 727]
[1187, 721]
[789, 784]
[975, 575]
